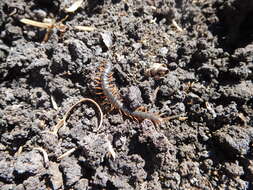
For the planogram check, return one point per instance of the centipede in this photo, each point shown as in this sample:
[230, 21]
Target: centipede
[109, 91]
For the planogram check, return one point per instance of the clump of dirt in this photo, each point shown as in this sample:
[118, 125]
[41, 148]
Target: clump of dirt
[207, 50]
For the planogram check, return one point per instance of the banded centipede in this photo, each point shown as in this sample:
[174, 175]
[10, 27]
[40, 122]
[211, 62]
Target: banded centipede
[106, 87]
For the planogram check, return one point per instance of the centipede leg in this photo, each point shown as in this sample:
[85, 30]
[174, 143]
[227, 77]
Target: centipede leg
[111, 85]
[112, 108]
[114, 91]
[121, 113]
[97, 78]
[136, 119]
[130, 116]
[99, 82]
[110, 79]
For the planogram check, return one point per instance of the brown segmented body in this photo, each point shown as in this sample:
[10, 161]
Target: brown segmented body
[105, 82]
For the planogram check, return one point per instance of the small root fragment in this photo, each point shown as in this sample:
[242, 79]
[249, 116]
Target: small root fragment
[62, 122]
[111, 151]
[177, 26]
[54, 104]
[66, 153]
[154, 95]
[45, 156]
[58, 126]
[20, 150]
[85, 28]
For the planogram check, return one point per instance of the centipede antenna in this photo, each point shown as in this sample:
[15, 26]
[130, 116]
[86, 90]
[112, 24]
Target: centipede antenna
[112, 108]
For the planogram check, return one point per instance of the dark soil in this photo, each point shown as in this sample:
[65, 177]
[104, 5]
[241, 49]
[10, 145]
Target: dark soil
[209, 82]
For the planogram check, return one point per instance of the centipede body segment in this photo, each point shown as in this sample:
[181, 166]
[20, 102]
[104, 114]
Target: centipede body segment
[109, 92]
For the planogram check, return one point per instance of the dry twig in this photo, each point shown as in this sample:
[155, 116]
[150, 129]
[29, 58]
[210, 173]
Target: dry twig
[66, 153]
[47, 25]
[45, 156]
[65, 117]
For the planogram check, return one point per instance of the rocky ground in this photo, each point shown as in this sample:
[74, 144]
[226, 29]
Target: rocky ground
[206, 46]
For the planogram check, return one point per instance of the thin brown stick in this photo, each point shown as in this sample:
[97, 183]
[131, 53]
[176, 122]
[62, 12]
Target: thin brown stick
[65, 117]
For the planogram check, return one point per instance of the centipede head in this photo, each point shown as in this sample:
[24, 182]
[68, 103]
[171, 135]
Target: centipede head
[142, 108]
